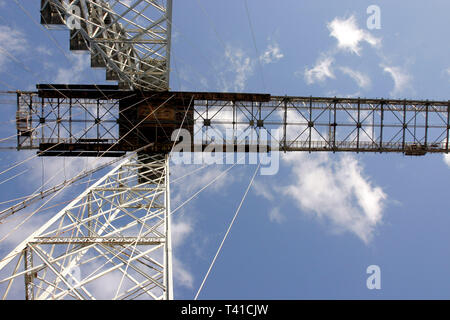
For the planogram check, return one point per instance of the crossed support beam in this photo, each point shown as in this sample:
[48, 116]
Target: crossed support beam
[130, 39]
[104, 120]
[112, 242]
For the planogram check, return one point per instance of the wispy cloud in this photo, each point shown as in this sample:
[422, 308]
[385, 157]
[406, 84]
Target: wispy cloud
[402, 80]
[321, 71]
[260, 189]
[44, 51]
[362, 80]
[447, 71]
[239, 68]
[182, 276]
[75, 73]
[447, 159]
[350, 36]
[272, 54]
[12, 42]
[180, 231]
[276, 216]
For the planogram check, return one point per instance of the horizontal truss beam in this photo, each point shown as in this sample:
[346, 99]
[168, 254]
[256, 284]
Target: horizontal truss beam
[48, 120]
[99, 240]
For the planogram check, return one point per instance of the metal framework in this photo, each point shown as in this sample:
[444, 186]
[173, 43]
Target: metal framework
[131, 39]
[114, 235]
[72, 121]
[42, 194]
[117, 232]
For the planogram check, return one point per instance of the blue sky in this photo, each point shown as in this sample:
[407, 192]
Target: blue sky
[296, 236]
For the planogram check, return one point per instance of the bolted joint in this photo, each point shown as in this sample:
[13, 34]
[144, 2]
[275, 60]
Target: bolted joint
[310, 124]
[28, 278]
[207, 122]
[260, 123]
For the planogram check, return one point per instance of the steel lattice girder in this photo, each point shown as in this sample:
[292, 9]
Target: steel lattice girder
[112, 242]
[53, 120]
[131, 39]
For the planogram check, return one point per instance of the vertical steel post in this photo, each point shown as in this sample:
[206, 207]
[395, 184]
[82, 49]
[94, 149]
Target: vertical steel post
[168, 249]
[448, 125]
[28, 264]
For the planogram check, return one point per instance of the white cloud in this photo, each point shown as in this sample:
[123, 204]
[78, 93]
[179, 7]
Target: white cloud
[350, 36]
[402, 80]
[447, 71]
[272, 54]
[321, 71]
[12, 42]
[80, 63]
[180, 231]
[276, 216]
[261, 189]
[239, 68]
[447, 159]
[44, 51]
[181, 275]
[337, 193]
[360, 78]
